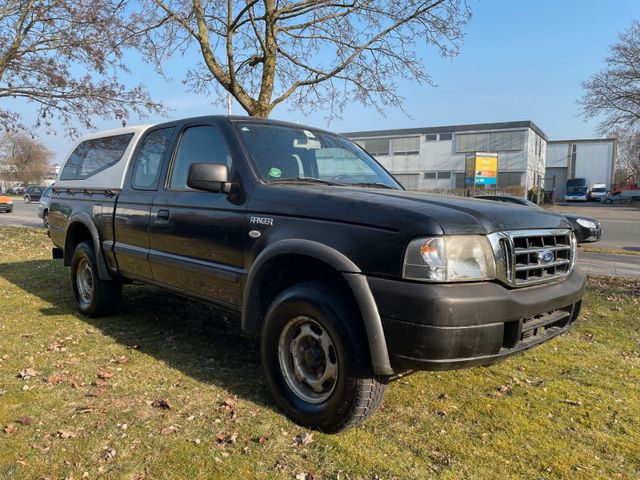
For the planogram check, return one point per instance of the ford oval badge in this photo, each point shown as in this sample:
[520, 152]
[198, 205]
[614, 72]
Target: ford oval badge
[545, 257]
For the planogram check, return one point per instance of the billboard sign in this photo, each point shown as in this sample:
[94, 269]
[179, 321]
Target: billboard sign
[486, 169]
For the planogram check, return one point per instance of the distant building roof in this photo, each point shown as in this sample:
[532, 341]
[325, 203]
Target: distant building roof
[450, 128]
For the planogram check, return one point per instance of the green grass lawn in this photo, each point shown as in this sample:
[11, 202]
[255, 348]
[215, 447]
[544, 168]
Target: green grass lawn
[568, 409]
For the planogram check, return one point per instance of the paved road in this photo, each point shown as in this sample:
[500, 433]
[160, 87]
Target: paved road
[23, 215]
[620, 223]
[607, 264]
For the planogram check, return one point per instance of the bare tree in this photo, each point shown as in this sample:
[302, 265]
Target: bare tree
[315, 54]
[65, 56]
[24, 158]
[628, 155]
[614, 92]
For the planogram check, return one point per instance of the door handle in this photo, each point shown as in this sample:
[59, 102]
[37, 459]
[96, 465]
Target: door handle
[163, 215]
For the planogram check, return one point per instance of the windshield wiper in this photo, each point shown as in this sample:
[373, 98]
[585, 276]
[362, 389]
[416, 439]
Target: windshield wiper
[372, 184]
[304, 180]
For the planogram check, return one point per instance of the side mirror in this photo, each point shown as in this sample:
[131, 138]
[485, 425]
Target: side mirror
[210, 177]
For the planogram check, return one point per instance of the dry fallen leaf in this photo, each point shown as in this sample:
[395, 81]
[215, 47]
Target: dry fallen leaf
[104, 375]
[65, 434]
[53, 379]
[24, 420]
[107, 454]
[11, 428]
[161, 404]
[576, 403]
[27, 373]
[169, 430]
[226, 438]
[303, 438]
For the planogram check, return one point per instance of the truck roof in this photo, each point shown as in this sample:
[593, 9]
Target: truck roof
[110, 176]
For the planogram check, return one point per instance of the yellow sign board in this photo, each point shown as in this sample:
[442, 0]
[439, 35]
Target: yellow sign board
[486, 170]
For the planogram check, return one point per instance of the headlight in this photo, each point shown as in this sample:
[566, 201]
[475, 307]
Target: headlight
[10, 202]
[586, 223]
[449, 259]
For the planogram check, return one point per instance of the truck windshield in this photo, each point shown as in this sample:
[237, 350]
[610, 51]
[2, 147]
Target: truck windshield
[283, 153]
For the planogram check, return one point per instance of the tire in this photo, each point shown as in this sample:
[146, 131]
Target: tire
[27, 199]
[608, 201]
[45, 218]
[94, 297]
[324, 326]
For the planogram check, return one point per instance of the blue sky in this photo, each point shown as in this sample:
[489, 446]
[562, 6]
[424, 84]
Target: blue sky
[521, 60]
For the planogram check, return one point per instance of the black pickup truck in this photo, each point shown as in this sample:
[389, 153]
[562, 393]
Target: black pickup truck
[346, 277]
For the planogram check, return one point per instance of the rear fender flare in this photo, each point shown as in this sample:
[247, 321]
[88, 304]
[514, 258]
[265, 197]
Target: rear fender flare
[85, 220]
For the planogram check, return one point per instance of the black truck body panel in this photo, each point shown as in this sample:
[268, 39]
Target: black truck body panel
[214, 246]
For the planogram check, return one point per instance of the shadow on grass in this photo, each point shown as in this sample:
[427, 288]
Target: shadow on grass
[200, 340]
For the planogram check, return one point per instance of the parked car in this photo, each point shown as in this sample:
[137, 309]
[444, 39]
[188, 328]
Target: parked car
[345, 277]
[17, 190]
[615, 197]
[598, 192]
[33, 194]
[586, 229]
[6, 204]
[43, 206]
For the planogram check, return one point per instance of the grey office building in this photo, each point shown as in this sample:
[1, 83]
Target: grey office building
[433, 158]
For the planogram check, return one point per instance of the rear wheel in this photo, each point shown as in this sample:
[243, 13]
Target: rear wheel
[94, 297]
[316, 358]
[45, 218]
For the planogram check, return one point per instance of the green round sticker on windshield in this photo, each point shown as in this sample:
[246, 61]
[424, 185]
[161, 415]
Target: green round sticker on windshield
[275, 172]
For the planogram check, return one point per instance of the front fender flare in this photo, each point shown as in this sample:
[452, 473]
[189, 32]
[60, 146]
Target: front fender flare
[357, 282]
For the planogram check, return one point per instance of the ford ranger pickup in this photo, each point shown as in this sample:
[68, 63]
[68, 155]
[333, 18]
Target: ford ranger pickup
[346, 278]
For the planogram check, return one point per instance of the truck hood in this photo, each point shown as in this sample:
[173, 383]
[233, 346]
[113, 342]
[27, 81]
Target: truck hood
[401, 210]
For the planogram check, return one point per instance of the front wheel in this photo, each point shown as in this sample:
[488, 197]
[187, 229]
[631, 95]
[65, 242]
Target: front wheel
[94, 297]
[316, 358]
[45, 219]
[27, 199]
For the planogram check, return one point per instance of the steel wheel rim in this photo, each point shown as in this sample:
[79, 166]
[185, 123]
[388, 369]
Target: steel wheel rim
[84, 281]
[308, 359]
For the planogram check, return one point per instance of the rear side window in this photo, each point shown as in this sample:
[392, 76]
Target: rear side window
[93, 156]
[146, 170]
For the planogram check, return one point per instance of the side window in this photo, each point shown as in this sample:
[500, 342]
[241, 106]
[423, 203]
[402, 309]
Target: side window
[198, 144]
[148, 162]
[93, 156]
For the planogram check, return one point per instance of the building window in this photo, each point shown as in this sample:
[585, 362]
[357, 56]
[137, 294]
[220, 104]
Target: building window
[490, 141]
[376, 146]
[446, 136]
[429, 175]
[406, 146]
[444, 175]
[407, 180]
[509, 179]
[431, 137]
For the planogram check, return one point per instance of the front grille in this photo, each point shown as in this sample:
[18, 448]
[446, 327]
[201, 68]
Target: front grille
[528, 257]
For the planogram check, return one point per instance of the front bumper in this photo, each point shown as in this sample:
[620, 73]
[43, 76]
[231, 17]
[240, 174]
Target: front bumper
[442, 327]
[6, 207]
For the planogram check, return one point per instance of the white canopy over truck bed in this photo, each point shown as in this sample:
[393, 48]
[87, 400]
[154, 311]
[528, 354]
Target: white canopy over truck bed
[100, 160]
